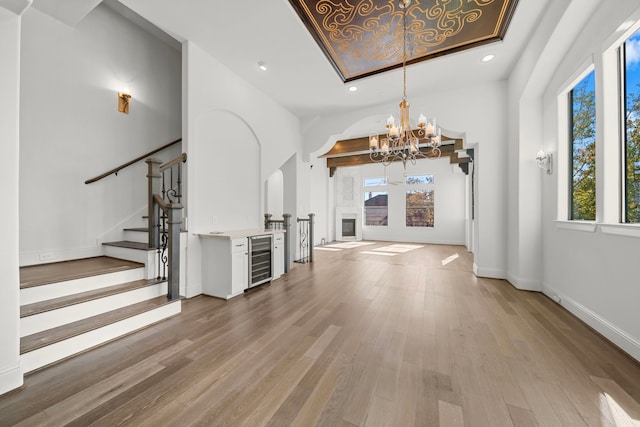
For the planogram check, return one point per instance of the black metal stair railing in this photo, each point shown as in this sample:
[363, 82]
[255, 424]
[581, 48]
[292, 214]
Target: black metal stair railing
[305, 239]
[165, 218]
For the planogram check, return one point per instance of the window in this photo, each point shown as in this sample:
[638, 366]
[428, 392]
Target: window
[376, 208]
[420, 208]
[419, 179]
[631, 149]
[582, 104]
[375, 182]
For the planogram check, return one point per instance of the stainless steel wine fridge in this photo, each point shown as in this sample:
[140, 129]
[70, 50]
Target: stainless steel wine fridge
[260, 259]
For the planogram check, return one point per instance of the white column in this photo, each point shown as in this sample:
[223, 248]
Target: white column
[10, 373]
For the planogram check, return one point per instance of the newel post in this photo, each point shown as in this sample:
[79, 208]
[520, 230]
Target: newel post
[154, 181]
[311, 236]
[286, 225]
[174, 219]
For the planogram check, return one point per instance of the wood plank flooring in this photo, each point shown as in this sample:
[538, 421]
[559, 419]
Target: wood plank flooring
[42, 274]
[351, 340]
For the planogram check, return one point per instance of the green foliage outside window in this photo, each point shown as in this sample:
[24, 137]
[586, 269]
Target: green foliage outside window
[632, 173]
[632, 129]
[420, 212]
[583, 151]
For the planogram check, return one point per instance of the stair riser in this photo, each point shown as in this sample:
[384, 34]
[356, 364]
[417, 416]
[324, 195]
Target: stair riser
[136, 236]
[63, 349]
[54, 318]
[70, 287]
[148, 258]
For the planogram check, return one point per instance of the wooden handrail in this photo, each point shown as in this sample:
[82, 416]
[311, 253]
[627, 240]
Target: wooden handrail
[180, 159]
[137, 159]
[158, 199]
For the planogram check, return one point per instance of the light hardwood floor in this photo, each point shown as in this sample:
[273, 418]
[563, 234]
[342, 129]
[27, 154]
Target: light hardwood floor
[351, 340]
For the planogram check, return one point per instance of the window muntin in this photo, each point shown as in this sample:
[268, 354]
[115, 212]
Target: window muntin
[582, 104]
[419, 208]
[419, 179]
[376, 208]
[631, 145]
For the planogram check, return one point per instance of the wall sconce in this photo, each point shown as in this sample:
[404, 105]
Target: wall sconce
[544, 160]
[124, 99]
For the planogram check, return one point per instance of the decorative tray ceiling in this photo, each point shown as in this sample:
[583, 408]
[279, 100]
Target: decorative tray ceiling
[364, 37]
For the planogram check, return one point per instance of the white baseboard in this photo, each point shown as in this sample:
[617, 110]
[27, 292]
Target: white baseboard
[491, 273]
[10, 378]
[46, 256]
[628, 343]
[524, 284]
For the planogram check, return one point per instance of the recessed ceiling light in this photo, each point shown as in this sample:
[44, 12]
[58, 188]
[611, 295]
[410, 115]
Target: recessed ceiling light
[487, 58]
[262, 66]
[353, 88]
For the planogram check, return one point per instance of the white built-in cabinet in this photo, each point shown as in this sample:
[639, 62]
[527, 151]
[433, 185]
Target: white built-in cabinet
[278, 255]
[225, 262]
[239, 266]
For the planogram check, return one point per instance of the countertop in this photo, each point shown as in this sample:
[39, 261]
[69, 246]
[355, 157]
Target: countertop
[238, 234]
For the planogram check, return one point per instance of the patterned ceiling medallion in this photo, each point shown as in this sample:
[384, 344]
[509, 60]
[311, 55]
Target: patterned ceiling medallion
[364, 37]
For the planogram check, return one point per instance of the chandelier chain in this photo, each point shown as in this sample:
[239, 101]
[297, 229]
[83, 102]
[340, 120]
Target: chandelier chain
[404, 50]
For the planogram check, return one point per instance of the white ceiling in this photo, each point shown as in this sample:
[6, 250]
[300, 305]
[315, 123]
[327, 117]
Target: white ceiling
[240, 34]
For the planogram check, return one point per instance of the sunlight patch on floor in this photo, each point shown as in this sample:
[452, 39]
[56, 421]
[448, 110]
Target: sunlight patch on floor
[348, 245]
[398, 248]
[452, 258]
[620, 416]
[378, 253]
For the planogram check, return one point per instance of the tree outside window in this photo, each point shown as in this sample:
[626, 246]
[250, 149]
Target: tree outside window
[583, 149]
[631, 50]
[420, 208]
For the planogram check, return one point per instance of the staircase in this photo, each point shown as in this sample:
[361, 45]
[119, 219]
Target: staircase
[72, 306]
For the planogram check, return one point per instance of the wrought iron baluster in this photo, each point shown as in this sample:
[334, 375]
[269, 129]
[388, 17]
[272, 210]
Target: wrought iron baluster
[305, 229]
[164, 259]
[179, 195]
[159, 215]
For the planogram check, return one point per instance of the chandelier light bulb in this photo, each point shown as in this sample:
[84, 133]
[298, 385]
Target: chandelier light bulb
[390, 121]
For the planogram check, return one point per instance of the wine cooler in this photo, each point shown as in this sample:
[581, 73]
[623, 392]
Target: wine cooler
[260, 259]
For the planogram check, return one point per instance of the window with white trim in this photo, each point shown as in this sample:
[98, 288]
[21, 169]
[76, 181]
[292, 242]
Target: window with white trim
[419, 201]
[582, 165]
[376, 208]
[630, 52]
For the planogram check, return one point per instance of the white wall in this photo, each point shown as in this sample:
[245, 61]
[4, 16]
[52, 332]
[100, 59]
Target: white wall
[233, 133]
[274, 203]
[449, 196]
[593, 273]
[480, 113]
[554, 33]
[10, 375]
[71, 129]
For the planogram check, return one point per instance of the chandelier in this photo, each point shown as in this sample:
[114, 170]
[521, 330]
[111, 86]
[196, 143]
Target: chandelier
[401, 143]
